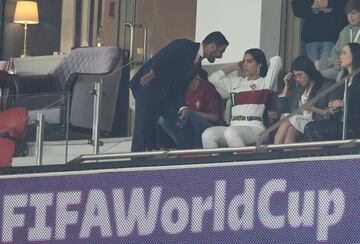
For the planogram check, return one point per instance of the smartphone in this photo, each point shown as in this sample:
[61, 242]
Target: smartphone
[181, 121]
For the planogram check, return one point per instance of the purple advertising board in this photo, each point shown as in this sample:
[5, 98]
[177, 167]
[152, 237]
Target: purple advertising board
[309, 201]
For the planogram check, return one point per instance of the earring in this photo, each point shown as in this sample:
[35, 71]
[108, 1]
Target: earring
[258, 70]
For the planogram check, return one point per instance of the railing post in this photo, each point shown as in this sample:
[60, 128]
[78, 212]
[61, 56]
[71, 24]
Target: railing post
[97, 92]
[345, 108]
[39, 138]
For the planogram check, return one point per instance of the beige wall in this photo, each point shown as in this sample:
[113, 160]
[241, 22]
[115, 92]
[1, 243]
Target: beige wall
[165, 20]
[67, 26]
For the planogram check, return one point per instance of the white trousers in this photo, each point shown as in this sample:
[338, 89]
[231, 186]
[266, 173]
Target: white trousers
[232, 136]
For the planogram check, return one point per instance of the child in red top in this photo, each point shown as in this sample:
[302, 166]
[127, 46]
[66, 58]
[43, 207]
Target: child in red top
[203, 109]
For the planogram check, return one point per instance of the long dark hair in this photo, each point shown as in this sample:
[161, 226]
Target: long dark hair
[355, 53]
[303, 63]
[260, 58]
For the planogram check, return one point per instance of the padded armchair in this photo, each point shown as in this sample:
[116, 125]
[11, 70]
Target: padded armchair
[77, 74]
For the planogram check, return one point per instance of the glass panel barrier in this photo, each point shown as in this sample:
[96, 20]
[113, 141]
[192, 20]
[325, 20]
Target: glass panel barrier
[23, 123]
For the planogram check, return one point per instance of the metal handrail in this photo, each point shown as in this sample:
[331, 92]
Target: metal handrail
[298, 110]
[145, 41]
[250, 149]
[128, 24]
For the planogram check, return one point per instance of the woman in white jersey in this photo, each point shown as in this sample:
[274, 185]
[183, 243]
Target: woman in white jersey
[248, 97]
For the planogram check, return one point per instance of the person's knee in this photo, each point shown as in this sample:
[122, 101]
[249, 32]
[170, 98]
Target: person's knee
[233, 138]
[229, 133]
[208, 139]
[208, 135]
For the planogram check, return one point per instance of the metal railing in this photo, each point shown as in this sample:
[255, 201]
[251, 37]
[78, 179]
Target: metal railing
[249, 149]
[209, 152]
[304, 107]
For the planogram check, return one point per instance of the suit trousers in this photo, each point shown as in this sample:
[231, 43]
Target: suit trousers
[147, 112]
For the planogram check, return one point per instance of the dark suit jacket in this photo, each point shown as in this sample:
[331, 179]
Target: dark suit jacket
[171, 66]
[287, 105]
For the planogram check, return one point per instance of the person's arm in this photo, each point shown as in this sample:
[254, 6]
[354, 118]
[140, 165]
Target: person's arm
[167, 63]
[321, 112]
[337, 48]
[282, 100]
[273, 73]
[235, 67]
[223, 83]
[213, 117]
[301, 8]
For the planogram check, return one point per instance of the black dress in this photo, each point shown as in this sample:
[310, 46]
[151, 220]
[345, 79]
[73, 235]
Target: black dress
[332, 129]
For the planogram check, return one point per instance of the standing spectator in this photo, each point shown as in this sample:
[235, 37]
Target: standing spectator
[322, 22]
[332, 129]
[350, 33]
[160, 85]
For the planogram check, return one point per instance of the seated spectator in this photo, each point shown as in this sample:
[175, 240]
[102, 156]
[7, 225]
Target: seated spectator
[322, 22]
[310, 84]
[332, 129]
[248, 96]
[203, 109]
[350, 33]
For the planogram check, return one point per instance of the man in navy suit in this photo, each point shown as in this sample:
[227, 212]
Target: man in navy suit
[160, 85]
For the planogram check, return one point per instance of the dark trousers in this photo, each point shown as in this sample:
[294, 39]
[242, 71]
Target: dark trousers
[198, 126]
[147, 112]
[324, 130]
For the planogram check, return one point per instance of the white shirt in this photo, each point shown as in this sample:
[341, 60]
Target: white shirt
[245, 88]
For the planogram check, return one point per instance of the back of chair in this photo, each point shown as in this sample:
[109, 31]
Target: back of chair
[97, 63]
[88, 60]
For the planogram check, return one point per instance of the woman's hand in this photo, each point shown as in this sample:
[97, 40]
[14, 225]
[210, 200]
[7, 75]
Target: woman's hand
[335, 105]
[321, 4]
[338, 63]
[327, 113]
[240, 65]
[288, 78]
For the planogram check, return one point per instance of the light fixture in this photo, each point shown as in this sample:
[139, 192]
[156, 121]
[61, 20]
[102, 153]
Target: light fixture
[26, 13]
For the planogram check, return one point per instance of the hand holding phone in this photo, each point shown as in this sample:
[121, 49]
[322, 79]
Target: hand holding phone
[181, 121]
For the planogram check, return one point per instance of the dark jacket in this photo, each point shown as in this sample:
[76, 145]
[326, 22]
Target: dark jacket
[171, 66]
[353, 99]
[321, 26]
[287, 105]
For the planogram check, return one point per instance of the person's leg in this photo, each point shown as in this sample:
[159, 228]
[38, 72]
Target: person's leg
[213, 137]
[239, 136]
[183, 135]
[292, 135]
[353, 130]
[165, 125]
[325, 50]
[199, 125]
[281, 132]
[313, 50]
[330, 73]
[323, 130]
[143, 138]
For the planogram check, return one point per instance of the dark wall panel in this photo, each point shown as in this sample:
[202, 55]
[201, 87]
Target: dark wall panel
[43, 38]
